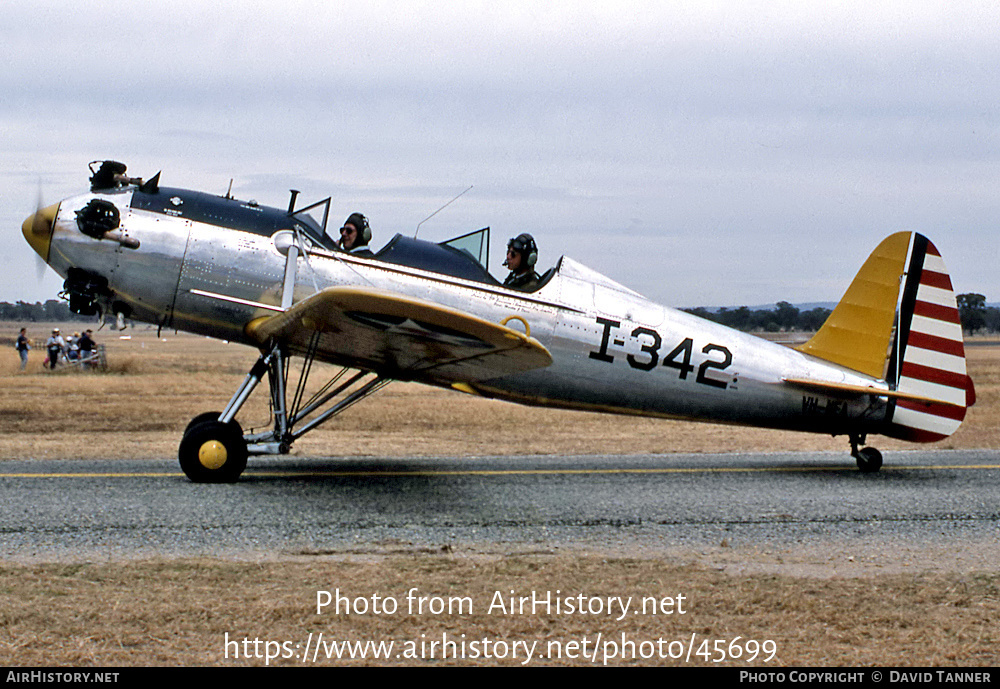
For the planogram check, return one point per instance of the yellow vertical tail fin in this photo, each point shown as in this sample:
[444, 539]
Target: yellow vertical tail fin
[859, 331]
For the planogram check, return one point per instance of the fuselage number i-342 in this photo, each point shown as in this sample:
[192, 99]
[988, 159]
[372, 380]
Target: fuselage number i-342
[648, 358]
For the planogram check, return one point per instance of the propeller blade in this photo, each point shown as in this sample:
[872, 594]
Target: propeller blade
[40, 264]
[40, 267]
[37, 228]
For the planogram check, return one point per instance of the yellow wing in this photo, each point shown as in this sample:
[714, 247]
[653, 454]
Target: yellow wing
[400, 337]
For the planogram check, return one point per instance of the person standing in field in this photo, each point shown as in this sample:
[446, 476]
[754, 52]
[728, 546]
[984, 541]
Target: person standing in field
[55, 346]
[87, 346]
[23, 346]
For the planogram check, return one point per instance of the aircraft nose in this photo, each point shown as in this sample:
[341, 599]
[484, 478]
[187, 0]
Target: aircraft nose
[37, 229]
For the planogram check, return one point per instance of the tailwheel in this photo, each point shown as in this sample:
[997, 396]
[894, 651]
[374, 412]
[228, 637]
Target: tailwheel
[213, 452]
[869, 460]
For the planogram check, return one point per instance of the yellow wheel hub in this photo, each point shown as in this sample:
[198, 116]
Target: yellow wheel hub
[212, 454]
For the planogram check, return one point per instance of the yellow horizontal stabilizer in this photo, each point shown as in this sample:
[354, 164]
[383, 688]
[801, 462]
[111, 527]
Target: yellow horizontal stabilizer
[834, 388]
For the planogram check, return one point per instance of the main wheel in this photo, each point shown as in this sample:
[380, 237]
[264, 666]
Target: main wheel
[869, 460]
[213, 452]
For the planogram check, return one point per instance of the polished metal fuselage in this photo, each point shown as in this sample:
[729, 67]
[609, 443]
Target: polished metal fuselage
[612, 349]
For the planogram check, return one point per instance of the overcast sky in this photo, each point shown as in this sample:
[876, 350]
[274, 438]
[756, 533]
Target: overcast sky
[702, 153]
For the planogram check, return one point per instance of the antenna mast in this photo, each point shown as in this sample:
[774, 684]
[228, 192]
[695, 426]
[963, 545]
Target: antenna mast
[438, 211]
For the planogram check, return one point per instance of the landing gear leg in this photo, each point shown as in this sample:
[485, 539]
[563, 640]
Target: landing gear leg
[868, 458]
[214, 448]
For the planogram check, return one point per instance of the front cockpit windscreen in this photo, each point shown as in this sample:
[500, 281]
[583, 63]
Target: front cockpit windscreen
[475, 244]
[445, 258]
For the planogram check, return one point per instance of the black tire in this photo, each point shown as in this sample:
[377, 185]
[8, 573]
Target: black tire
[869, 460]
[213, 452]
[202, 418]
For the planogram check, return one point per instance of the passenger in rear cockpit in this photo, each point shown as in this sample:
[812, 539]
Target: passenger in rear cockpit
[522, 254]
[355, 235]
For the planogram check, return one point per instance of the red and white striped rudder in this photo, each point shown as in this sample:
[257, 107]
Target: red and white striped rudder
[927, 357]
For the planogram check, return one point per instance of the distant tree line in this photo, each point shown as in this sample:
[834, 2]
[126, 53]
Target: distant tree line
[53, 310]
[975, 315]
[782, 318]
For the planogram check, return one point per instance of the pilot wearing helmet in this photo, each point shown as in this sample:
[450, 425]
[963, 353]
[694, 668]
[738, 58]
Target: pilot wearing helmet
[522, 254]
[355, 235]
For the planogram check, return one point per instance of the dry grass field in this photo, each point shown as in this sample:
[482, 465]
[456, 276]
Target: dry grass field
[177, 612]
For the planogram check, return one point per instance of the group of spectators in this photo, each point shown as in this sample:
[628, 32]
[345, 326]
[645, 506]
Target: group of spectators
[75, 348]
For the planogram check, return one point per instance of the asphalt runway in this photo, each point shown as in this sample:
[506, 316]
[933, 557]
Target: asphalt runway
[52, 510]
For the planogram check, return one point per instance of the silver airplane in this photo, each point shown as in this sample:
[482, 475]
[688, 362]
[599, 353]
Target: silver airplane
[889, 360]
